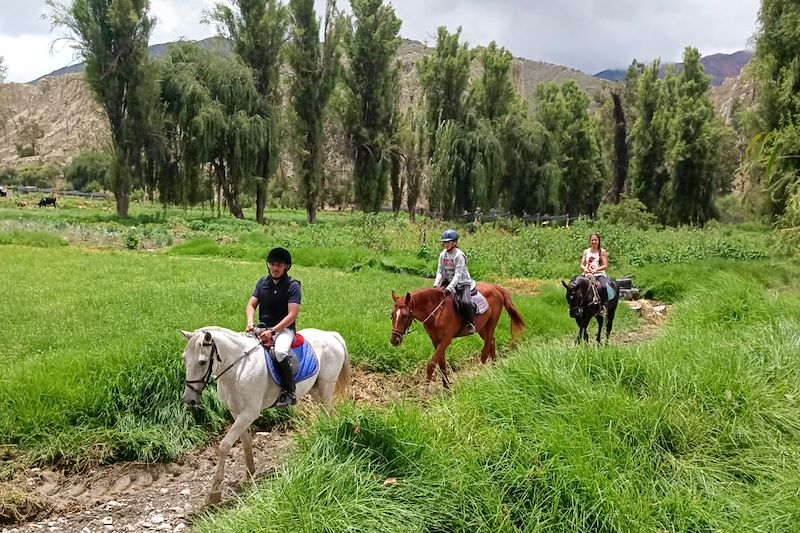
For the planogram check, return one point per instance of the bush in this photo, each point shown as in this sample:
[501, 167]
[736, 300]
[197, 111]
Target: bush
[731, 210]
[89, 168]
[44, 176]
[629, 212]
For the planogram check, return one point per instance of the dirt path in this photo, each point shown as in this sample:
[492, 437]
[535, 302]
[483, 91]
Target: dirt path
[164, 497]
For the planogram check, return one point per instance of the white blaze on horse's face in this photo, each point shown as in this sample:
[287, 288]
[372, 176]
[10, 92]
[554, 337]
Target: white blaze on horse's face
[401, 321]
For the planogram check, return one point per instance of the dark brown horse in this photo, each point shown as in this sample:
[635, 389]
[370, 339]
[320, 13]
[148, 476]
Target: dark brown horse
[441, 321]
[584, 305]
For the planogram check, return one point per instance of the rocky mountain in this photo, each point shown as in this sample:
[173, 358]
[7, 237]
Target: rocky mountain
[718, 66]
[72, 122]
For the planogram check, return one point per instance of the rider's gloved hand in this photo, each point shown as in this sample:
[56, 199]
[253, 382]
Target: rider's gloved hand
[446, 291]
[249, 328]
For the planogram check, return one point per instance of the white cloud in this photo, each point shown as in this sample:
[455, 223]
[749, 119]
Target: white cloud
[586, 34]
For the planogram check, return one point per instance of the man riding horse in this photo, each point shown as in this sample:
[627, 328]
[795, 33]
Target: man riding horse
[277, 297]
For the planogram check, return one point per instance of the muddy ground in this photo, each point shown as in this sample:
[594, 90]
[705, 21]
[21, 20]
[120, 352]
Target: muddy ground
[166, 497]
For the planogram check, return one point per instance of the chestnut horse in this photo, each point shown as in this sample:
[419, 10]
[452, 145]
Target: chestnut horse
[442, 322]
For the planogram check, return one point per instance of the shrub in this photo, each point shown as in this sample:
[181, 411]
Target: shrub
[89, 168]
[131, 239]
[629, 212]
[44, 176]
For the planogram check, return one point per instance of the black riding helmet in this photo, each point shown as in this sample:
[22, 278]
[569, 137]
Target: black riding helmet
[280, 255]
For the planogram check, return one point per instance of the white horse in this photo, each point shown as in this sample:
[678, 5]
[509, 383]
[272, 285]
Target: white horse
[246, 387]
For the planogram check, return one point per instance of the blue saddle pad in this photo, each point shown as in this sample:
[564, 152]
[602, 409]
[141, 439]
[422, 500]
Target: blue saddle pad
[610, 292]
[307, 359]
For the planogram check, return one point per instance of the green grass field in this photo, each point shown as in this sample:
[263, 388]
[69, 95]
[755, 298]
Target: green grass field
[696, 430]
[90, 360]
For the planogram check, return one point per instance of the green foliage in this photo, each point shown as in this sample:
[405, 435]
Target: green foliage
[532, 175]
[88, 169]
[493, 94]
[775, 125]
[113, 38]
[212, 116]
[316, 70]
[38, 239]
[693, 147]
[624, 438]
[443, 78]
[372, 81]
[258, 30]
[413, 141]
[563, 112]
[131, 240]
[628, 212]
[29, 131]
[44, 176]
[466, 160]
[649, 140]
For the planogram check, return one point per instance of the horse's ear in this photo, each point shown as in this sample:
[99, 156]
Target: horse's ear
[564, 284]
[394, 296]
[207, 336]
[187, 334]
[408, 298]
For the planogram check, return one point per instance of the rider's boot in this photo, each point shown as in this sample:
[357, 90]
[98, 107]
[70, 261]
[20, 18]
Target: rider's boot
[287, 396]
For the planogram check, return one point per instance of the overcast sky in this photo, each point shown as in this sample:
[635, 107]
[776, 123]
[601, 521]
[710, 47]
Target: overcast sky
[589, 35]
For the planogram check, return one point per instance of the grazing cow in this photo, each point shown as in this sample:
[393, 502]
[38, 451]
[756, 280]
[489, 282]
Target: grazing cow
[44, 202]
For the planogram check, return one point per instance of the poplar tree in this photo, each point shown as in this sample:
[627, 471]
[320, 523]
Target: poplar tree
[372, 82]
[112, 37]
[316, 67]
[257, 31]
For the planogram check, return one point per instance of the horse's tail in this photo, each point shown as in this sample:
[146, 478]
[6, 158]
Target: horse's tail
[517, 324]
[344, 374]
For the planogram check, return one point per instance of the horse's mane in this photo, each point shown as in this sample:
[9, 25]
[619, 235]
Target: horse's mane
[426, 296]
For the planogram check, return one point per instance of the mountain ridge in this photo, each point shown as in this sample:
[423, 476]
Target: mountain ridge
[719, 66]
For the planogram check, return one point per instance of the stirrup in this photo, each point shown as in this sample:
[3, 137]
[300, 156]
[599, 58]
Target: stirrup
[470, 328]
[603, 311]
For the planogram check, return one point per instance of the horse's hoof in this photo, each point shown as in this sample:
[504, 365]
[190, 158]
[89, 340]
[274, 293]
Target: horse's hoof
[214, 498]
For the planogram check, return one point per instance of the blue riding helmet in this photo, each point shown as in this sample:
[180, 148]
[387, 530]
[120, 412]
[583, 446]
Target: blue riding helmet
[449, 235]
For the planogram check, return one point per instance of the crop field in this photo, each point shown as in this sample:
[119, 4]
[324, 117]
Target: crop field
[696, 429]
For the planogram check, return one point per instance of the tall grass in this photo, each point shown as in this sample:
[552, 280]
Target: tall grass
[347, 241]
[696, 431]
[90, 366]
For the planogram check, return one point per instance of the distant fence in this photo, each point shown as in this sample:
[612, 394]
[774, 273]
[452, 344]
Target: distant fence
[25, 189]
[494, 215]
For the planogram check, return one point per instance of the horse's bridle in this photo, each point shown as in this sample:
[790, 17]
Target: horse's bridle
[402, 334]
[583, 301]
[210, 369]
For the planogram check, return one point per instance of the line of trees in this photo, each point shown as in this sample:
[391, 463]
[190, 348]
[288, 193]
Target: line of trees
[196, 126]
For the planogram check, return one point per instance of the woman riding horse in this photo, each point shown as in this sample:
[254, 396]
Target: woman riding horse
[592, 294]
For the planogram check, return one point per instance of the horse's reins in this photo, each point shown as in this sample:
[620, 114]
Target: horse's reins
[591, 292]
[215, 354]
[409, 330]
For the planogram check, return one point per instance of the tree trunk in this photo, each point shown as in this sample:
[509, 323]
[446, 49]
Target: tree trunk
[397, 182]
[311, 209]
[233, 205]
[620, 151]
[122, 186]
[261, 200]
